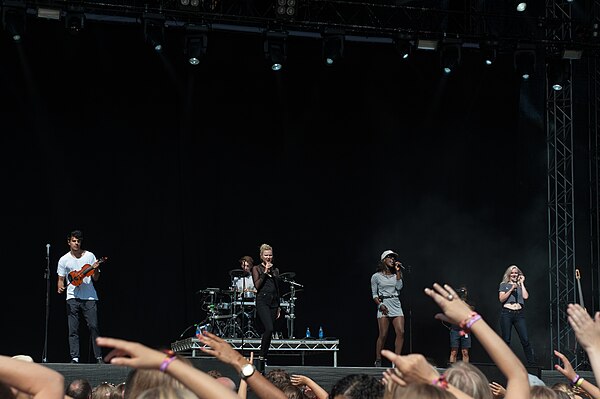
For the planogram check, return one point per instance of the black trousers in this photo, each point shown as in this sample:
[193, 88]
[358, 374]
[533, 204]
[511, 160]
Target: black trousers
[266, 313]
[89, 310]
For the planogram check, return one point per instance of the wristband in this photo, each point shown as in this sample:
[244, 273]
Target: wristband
[168, 360]
[579, 382]
[575, 379]
[440, 382]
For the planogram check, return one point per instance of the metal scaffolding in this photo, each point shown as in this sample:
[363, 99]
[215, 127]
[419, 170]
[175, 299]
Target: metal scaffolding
[561, 195]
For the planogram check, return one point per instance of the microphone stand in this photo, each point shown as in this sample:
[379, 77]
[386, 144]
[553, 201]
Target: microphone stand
[47, 277]
[292, 314]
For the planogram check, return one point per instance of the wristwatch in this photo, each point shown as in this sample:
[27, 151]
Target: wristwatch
[247, 370]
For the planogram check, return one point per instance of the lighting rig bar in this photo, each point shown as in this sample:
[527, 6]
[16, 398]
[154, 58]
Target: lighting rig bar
[359, 21]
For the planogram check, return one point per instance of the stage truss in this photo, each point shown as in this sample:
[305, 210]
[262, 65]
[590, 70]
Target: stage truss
[191, 346]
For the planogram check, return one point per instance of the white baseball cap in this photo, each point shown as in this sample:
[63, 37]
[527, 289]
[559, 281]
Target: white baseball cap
[388, 253]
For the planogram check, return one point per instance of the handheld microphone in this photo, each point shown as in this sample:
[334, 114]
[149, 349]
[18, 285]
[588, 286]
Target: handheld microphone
[397, 262]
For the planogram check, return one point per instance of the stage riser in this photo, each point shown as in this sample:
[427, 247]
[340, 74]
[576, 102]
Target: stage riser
[324, 376]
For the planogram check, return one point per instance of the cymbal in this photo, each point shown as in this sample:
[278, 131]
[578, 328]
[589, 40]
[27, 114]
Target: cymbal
[238, 273]
[288, 275]
[288, 293]
[209, 291]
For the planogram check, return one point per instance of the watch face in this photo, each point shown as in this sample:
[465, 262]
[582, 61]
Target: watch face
[247, 370]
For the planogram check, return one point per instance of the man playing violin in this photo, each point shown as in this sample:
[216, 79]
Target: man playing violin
[81, 297]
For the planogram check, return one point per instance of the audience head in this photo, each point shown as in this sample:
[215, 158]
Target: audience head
[357, 386]
[416, 390]
[79, 389]
[542, 392]
[119, 391]
[293, 392]
[140, 380]
[278, 377]
[470, 380]
[167, 392]
[103, 391]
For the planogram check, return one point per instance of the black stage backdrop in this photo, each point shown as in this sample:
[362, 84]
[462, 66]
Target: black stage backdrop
[174, 172]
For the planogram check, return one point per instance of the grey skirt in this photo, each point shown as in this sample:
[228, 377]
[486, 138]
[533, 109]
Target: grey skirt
[394, 308]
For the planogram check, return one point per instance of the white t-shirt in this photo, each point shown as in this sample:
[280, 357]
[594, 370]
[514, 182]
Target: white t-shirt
[68, 263]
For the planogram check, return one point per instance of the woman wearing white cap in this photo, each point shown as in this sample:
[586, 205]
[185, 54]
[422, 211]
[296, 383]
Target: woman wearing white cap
[386, 284]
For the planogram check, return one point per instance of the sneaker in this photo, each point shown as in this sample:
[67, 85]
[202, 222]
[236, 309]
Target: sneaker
[99, 360]
[377, 363]
[75, 360]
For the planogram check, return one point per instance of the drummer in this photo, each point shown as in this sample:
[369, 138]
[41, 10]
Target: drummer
[244, 283]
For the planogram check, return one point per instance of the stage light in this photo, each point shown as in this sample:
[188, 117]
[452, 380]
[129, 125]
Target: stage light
[195, 47]
[521, 6]
[489, 51]
[286, 8]
[13, 19]
[74, 21]
[524, 61]
[558, 73]
[427, 44]
[450, 55]
[572, 54]
[48, 13]
[275, 47]
[403, 47]
[154, 30]
[333, 48]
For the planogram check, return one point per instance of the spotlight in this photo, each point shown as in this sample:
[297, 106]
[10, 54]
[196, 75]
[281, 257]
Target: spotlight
[333, 48]
[275, 47]
[427, 44]
[13, 19]
[154, 30]
[195, 47]
[450, 57]
[521, 6]
[74, 21]
[524, 60]
[489, 51]
[558, 71]
[286, 8]
[403, 47]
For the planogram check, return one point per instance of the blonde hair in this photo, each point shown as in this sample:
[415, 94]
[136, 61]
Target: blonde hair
[470, 380]
[265, 247]
[167, 392]
[506, 276]
[415, 390]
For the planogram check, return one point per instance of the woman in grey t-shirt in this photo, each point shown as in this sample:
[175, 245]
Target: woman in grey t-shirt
[386, 284]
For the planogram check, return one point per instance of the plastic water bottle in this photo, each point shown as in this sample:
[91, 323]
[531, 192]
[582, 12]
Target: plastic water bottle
[321, 333]
[307, 332]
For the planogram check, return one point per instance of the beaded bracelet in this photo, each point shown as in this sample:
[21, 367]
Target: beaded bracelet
[168, 360]
[440, 382]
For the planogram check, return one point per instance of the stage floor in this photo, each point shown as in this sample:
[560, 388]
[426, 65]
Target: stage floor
[324, 376]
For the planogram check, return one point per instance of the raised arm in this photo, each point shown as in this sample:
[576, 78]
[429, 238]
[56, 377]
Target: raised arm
[568, 371]
[457, 312]
[587, 331]
[136, 355]
[219, 348]
[298, 379]
[34, 379]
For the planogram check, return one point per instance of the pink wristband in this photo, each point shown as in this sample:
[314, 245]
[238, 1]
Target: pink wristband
[168, 360]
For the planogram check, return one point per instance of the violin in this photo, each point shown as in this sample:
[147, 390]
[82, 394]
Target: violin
[76, 276]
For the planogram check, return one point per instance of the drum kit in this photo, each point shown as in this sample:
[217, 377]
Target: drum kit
[230, 312]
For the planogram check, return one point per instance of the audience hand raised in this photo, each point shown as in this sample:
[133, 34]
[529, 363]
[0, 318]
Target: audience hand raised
[455, 310]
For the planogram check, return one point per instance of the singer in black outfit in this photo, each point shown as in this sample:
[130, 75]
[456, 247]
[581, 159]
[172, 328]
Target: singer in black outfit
[512, 294]
[266, 282]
